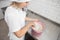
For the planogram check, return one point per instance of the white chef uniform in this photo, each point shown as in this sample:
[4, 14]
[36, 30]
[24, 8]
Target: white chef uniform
[15, 19]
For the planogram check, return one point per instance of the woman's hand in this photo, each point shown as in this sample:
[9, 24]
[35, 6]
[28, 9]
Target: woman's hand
[35, 20]
[31, 24]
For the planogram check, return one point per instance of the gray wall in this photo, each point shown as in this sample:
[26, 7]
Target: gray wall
[1, 14]
[47, 8]
[3, 4]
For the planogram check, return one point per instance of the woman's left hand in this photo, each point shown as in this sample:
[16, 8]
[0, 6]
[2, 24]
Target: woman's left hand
[36, 20]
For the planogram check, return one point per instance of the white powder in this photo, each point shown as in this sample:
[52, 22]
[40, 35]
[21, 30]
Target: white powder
[37, 27]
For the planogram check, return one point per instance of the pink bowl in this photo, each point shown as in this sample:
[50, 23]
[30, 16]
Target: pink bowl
[37, 33]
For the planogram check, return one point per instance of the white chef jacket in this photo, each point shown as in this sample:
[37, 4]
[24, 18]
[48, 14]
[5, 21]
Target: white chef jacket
[15, 19]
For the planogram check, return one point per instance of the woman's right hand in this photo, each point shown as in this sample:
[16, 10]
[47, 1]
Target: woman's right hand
[31, 24]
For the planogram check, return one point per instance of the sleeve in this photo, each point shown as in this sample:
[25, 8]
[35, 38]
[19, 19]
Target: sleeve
[14, 23]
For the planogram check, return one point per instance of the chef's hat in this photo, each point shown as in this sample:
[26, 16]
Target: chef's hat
[20, 0]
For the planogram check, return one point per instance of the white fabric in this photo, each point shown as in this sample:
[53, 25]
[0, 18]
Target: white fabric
[20, 0]
[15, 20]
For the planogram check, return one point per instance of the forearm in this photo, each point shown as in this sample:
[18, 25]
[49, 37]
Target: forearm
[22, 32]
[31, 19]
[28, 19]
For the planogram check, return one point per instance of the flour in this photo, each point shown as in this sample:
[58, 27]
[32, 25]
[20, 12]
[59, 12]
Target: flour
[37, 27]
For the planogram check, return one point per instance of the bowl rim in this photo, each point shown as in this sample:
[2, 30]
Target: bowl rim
[43, 27]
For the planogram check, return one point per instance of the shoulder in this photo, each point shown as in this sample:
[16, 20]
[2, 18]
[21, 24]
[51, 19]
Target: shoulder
[10, 9]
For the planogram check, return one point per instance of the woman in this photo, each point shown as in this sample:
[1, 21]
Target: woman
[15, 18]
